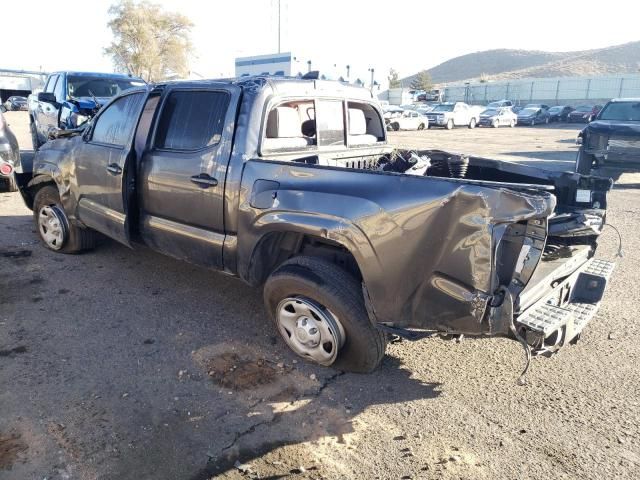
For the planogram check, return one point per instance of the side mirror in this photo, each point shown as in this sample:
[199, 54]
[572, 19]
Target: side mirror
[47, 97]
[3, 109]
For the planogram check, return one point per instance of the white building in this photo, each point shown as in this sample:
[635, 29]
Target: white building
[272, 64]
[19, 82]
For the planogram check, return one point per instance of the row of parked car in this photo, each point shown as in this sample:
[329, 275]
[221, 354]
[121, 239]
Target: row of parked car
[495, 114]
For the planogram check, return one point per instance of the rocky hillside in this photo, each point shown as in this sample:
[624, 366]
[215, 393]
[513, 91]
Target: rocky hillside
[511, 64]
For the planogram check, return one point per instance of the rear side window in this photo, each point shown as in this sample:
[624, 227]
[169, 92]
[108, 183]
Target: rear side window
[115, 124]
[50, 84]
[192, 120]
[59, 90]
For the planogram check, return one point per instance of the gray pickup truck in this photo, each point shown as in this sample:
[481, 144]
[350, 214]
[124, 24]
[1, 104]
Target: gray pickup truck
[290, 184]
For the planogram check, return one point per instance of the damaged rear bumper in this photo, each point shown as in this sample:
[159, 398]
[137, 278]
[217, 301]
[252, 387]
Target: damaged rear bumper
[560, 316]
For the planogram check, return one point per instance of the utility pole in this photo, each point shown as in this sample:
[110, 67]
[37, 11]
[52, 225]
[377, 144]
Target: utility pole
[278, 26]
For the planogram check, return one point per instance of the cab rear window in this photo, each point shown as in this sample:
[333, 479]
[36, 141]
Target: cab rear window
[302, 125]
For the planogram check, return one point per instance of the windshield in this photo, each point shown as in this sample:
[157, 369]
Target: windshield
[626, 111]
[584, 108]
[495, 104]
[83, 86]
[491, 112]
[555, 109]
[528, 111]
[443, 108]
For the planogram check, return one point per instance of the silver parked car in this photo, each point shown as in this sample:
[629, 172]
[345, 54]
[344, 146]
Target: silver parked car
[9, 157]
[497, 117]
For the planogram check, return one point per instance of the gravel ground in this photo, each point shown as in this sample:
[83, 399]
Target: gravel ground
[122, 364]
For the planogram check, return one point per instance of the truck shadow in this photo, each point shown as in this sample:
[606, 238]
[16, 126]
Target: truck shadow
[324, 418]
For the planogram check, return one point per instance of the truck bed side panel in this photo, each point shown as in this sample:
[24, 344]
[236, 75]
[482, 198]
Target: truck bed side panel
[425, 246]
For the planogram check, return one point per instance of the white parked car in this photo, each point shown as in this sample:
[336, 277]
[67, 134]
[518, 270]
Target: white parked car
[497, 117]
[409, 120]
[451, 115]
[392, 111]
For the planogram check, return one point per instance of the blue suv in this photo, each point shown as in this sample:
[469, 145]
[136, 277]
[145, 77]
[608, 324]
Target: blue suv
[69, 99]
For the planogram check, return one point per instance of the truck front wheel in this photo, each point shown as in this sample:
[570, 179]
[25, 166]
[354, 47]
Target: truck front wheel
[53, 226]
[319, 311]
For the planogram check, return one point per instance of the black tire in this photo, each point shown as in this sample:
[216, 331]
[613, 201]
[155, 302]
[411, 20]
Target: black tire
[472, 123]
[76, 239]
[335, 289]
[449, 125]
[34, 137]
[421, 126]
[395, 126]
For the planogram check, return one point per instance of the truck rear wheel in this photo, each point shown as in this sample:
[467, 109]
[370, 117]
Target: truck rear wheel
[319, 311]
[53, 226]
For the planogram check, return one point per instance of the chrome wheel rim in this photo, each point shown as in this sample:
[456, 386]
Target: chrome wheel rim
[52, 227]
[310, 330]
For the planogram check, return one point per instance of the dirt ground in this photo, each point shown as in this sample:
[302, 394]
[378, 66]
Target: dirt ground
[122, 364]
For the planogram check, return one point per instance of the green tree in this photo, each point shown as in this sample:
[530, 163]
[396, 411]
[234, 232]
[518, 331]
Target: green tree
[394, 81]
[422, 81]
[149, 42]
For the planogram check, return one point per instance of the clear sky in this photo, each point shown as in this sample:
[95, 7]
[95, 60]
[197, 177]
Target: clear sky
[405, 34]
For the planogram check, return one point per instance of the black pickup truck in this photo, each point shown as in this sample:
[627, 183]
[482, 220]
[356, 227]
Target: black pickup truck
[290, 184]
[613, 138]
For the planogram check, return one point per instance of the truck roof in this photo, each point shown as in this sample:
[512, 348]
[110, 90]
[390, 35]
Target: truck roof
[288, 85]
[97, 74]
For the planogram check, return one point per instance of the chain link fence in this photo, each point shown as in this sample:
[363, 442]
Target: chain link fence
[551, 91]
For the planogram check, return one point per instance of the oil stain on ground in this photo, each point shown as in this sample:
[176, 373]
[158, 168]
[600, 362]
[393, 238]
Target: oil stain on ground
[230, 370]
[11, 446]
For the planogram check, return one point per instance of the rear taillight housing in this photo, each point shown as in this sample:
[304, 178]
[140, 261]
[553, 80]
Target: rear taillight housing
[6, 169]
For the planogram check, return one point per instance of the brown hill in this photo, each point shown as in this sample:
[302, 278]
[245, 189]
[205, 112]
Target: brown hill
[511, 64]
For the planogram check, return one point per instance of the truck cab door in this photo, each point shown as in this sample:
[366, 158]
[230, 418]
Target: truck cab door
[105, 167]
[183, 171]
[46, 113]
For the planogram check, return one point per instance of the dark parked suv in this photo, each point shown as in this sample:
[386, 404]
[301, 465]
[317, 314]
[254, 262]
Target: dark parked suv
[559, 113]
[16, 103]
[584, 113]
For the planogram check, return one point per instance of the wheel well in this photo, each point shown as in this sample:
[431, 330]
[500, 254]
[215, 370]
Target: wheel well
[277, 247]
[29, 193]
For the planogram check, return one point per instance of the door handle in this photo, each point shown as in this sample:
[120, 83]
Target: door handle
[204, 180]
[114, 169]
